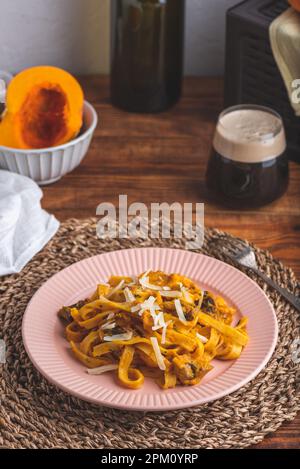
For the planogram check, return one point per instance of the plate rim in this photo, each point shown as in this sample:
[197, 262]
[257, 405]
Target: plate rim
[196, 402]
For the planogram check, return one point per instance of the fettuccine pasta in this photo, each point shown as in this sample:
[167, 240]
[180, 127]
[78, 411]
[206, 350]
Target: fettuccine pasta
[156, 325]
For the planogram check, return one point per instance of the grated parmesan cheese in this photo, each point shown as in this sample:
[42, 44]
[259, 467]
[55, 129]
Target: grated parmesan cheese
[179, 311]
[112, 338]
[128, 295]
[158, 321]
[158, 355]
[150, 305]
[132, 284]
[156, 328]
[101, 369]
[108, 325]
[145, 274]
[115, 289]
[171, 294]
[203, 339]
[144, 281]
[187, 296]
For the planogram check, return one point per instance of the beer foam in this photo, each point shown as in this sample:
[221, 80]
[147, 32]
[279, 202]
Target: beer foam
[249, 135]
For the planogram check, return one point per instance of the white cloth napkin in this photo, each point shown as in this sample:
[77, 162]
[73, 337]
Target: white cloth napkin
[25, 227]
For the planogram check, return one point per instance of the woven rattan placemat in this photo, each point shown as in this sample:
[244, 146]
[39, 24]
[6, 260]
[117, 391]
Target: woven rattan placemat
[35, 414]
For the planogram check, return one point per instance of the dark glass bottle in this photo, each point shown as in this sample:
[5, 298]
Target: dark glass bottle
[147, 54]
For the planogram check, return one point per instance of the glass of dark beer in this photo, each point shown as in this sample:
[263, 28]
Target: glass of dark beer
[248, 166]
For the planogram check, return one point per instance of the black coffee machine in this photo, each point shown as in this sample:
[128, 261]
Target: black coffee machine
[252, 75]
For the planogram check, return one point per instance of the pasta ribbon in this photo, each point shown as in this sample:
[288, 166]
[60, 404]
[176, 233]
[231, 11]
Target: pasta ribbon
[104, 348]
[74, 332]
[93, 322]
[90, 362]
[224, 329]
[88, 342]
[130, 377]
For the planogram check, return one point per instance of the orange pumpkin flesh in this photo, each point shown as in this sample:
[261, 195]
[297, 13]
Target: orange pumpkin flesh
[295, 4]
[43, 109]
[42, 117]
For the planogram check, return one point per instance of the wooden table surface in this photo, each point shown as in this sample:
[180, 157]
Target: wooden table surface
[162, 158]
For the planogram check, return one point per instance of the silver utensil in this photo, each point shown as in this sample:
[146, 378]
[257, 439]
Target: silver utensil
[244, 256]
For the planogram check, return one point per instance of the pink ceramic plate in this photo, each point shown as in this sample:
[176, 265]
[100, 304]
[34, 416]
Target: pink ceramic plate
[50, 353]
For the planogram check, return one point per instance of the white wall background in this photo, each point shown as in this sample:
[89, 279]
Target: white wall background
[205, 36]
[74, 34]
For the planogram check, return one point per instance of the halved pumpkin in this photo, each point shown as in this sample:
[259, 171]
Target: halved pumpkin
[43, 109]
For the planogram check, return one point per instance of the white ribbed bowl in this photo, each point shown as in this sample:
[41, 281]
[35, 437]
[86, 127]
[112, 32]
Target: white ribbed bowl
[48, 165]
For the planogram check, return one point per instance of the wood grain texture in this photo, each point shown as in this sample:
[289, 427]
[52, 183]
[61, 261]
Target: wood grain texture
[162, 158]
